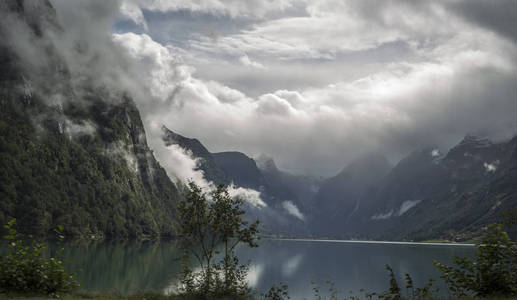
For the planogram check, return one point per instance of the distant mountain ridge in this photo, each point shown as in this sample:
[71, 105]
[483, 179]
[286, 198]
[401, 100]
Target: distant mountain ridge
[236, 168]
[427, 195]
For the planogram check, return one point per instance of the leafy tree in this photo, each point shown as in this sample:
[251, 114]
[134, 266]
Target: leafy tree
[207, 224]
[493, 271]
[27, 269]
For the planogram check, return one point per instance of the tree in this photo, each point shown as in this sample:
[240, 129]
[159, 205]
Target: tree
[209, 222]
[493, 271]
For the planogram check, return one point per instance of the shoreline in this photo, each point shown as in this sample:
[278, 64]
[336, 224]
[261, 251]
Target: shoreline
[372, 242]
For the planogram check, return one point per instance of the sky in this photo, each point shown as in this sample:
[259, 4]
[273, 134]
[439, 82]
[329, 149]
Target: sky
[313, 84]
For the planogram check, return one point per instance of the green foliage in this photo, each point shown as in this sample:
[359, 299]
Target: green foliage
[27, 269]
[413, 293]
[333, 293]
[492, 272]
[277, 292]
[207, 224]
[393, 293]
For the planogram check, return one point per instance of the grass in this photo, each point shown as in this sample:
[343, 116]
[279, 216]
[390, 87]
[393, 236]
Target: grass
[153, 296]
[86, 296]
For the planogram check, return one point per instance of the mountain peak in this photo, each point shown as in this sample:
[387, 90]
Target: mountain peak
[266, 163]
[475, 141]
[170, 137]
[368, 161]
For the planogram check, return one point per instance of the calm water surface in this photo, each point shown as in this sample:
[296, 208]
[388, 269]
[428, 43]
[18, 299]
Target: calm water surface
[129, 267]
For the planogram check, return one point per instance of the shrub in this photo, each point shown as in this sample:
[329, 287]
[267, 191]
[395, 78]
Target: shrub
[493, 271]
[28, 269]
[280, 292]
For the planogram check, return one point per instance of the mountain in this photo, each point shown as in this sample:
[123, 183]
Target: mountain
[427, 195]
[299, 188]
[220, 168]
[72, 154]
[241, 169]
[281, 212]
[206, 161]
[340, 197]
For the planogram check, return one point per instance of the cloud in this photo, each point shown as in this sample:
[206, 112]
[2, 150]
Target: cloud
[129, 10]
[233, 8]
[254, 274]
[251, 196]
[382, 216]
[407, 205]
[342, 78]
[292, 209]
[491, 167]
[499, 16]
[245, 60]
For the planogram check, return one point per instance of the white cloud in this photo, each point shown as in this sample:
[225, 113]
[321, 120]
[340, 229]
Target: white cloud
[245, 60]
[233, 8]
[292, 209]
[407, 205]
[255, 271]
[404, 207]
[383, 216]
[491, 167]
[129, 10]
[352, 116]
[251, 196]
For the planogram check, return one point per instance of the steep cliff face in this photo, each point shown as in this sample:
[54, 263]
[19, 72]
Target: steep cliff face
[206, 161]
[242, 170]
[73, 156]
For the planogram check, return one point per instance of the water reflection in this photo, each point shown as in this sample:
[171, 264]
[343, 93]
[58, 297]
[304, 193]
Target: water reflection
[123, 267]
[131, 266]
[349, 266]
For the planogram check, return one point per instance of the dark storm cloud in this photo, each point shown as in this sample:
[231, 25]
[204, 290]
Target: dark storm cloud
[499, 16]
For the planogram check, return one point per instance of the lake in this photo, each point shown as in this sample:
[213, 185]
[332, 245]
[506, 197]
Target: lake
[126, 267]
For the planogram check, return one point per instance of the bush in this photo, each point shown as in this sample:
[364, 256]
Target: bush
[492, 272]
[28, 269]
